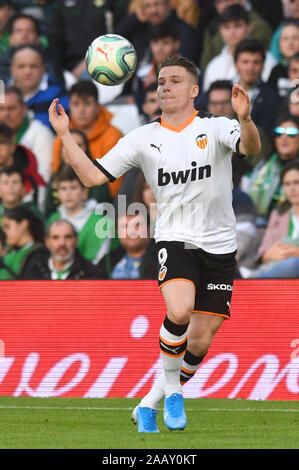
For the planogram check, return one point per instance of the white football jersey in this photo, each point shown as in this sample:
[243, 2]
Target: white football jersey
[189, 170]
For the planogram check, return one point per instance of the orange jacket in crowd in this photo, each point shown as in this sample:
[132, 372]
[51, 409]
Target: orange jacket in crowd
[101, 139]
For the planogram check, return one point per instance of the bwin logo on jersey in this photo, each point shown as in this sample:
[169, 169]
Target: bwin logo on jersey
[212, 286]
[201, 141]
[182, 176]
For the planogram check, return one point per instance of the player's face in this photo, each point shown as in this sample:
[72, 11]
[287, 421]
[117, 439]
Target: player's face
[84, 110]
[61, 242]
[176, 89]
[23, 33]
[287, 146]
[290, 185]
[71, 194]
[233, 32]
[163, 48]
[220, 103]
[249, 66]
[11, 189]
[12, 111]
[14, 231]
[27, 69]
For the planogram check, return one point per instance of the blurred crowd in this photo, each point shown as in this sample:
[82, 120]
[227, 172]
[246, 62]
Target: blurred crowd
[51, 226]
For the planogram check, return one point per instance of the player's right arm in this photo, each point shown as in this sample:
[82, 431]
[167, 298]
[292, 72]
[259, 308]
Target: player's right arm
[82, 165]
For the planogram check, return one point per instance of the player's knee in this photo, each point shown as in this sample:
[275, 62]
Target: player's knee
[180, 313]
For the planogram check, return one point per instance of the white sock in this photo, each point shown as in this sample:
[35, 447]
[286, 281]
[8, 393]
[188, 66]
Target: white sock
[156, 394]
[173, 343]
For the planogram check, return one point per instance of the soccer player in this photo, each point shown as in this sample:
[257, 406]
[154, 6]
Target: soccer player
[186, 158]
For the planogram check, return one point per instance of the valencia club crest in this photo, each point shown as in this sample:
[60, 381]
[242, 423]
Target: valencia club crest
[201, 141]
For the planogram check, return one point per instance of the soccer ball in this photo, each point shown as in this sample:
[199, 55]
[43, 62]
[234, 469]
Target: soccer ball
[111, 59]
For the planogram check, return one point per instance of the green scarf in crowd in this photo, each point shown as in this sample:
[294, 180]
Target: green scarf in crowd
[12, 263]
[266, 185]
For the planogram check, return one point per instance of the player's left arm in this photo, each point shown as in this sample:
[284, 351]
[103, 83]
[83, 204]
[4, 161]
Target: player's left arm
[250, 143]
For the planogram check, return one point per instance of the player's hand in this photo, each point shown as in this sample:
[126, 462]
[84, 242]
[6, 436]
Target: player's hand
[59, 120]
[241, 103]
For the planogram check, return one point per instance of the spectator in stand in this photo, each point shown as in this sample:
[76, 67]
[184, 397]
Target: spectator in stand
[248, 234]
[71, 28]
[289, 47]
[151, 110]
[60, 259]
[265, 185]
[293, 69]
[290, 103]
[291, 9]
[293, 106]
[24, 234]
[94, 230]
[151, 105]
[188, 10]
[234, 27]
[264, 7]
[100, 193]
[24, 30]
[26, 130]
[134, 258]
[136, 28]
[143, 193]
[95, 121]
[163, 43]
[249, 60]
[12, 191]
[28, 72]
[278, 253]
[219, 104]
[7, 11]
[219, 98]
[118, 8]
[213, 42]
[25, 161]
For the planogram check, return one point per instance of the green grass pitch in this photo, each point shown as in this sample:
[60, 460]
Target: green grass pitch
[77, 423]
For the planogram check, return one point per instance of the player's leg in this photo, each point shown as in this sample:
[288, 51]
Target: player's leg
[177, 279]
[179, 296]
[201, 331]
